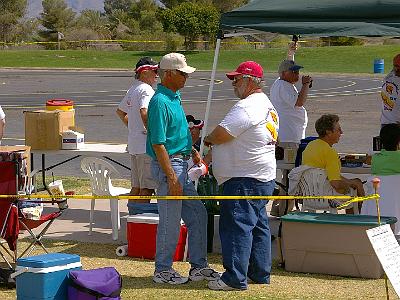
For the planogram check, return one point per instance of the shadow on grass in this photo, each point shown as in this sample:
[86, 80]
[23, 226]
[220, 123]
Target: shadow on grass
[140, 283]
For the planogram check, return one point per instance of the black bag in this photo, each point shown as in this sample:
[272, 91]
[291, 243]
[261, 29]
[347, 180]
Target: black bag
[303, 144]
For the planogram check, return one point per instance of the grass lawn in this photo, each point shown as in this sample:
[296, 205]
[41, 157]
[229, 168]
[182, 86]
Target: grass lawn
[137, 273]
[351, 59]
[137, 280]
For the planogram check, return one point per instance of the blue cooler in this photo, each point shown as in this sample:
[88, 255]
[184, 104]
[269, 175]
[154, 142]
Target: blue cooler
[45, 276]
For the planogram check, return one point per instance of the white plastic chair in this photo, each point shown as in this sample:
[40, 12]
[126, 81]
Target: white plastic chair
[389, 203]
[314, 182]
[100, 172]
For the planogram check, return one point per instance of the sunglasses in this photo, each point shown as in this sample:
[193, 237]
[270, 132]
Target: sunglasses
[186, 75]
[237, 78]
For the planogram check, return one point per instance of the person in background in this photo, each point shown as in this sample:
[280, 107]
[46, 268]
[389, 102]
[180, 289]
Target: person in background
[2, 123]
[387, 161]
[169, 143]
[195, 127]
[289, 103]
[244, 162]
[320, 154]
[133, 112]
[390, 95]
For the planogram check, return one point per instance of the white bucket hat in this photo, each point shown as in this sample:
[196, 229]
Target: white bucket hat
[175, 61]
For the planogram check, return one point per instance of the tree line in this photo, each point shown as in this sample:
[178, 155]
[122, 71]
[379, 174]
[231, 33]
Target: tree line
[179, 20]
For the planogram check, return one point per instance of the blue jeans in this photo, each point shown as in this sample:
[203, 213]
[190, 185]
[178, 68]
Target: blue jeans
[244, 232]
[192, 212]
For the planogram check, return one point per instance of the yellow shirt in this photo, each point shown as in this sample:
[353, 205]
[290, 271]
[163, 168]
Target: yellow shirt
[319, 154]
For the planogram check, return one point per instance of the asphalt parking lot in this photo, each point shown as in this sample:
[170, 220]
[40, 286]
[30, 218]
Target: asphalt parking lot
[97, 93]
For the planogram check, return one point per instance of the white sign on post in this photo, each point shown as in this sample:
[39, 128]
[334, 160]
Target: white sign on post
[387, 250]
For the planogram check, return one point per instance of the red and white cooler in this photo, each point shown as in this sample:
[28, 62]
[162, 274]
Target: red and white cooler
[141, 236]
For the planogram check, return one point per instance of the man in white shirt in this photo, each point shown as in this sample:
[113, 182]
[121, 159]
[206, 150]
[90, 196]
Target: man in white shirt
[133, 112]
[244, 162]
[2, 123]
[390, 94]
[289, 103]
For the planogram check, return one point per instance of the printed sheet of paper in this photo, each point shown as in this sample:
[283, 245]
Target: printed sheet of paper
[387, 250]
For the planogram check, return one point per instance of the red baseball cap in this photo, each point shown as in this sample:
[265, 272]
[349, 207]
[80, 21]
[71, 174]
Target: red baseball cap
[247, 68]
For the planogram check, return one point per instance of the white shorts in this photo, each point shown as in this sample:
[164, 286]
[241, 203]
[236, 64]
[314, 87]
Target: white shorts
[141, 172]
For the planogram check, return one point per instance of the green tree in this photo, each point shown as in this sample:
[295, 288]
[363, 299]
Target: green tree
[222, 5]
[191, 20]
[11, 11]
[228, 5]
[110, 5]
[56, 16]
[95, 21]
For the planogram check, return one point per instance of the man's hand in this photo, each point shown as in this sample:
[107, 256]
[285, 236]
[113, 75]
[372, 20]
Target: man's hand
[207, 141]
[174, 187]
[306, 80]
[196, 157]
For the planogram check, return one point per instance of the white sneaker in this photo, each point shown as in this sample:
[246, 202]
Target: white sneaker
[170, 277]
[219, 285]
[197, 274]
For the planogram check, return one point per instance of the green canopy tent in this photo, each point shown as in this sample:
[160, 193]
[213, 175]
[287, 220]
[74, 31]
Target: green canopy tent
[308, 17]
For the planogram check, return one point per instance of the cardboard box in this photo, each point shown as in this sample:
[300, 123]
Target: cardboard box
[72, 140]
[141, 236]
[331, 244]
[43, 128]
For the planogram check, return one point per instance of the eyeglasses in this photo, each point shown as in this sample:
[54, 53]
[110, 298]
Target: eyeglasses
[238, 78]
[186, 75]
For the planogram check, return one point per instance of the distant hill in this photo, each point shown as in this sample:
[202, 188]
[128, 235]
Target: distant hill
[35, 6]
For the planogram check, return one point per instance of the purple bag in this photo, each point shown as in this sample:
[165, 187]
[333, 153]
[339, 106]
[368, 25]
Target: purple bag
[103, 283]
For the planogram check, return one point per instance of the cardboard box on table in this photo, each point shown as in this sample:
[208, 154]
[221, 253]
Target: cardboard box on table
[334, 244]
[141, 236]
[43, 128]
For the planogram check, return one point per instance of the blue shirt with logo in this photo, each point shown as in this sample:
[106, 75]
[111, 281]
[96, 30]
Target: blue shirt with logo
[166, 123]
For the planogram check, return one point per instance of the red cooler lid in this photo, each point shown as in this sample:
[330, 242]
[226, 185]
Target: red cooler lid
[59, 102]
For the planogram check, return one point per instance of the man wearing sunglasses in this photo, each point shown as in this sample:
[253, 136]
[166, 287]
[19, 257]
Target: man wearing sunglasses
[244, 162]
[133, 112]
[169, 143]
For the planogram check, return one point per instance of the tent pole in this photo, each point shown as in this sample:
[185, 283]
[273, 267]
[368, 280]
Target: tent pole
[210, 93]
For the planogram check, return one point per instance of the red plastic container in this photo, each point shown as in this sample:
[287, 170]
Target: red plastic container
[141, 236]
[59, 103]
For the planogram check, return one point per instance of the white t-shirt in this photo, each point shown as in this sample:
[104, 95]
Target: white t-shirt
[2, 114]
[390, 95]
[136, 98]
[254, 123]
[292, 119]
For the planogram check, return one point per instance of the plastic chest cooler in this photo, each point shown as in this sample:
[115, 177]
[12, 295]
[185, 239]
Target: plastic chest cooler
[141, 236]
[45, 276]
[333, 244]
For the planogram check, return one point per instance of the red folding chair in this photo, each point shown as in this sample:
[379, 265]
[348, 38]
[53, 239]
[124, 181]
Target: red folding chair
[13, 219]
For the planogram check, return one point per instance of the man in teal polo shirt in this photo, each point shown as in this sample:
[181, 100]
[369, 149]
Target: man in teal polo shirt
[169, 143]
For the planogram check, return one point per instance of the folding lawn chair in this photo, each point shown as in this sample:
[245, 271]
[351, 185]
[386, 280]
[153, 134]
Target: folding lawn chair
[13, 220]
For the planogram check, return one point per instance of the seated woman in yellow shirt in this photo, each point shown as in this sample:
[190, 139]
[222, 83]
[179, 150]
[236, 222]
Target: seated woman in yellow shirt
[320, 154]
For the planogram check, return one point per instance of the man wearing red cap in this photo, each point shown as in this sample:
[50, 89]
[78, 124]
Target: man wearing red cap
[133, 112]
[390, 94]
[243, 149]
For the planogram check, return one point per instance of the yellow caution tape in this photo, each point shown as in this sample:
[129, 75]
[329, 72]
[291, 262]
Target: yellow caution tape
[359, 199]
[125, 41]
[124, 197]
